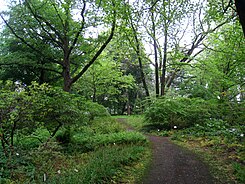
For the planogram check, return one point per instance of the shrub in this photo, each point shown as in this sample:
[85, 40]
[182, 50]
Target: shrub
[181, 112]
[23, 109]
[93, 109]
[64, 137]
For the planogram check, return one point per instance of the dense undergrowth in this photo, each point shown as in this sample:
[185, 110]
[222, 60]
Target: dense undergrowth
[51, 136]
[93, 155]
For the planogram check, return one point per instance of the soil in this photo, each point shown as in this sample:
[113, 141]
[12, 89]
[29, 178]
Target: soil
[172, 164]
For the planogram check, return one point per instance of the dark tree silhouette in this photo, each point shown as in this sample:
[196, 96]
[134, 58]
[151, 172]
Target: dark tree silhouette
[240, 6]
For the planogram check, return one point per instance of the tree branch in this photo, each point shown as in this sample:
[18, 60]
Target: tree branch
[80, 30]
[97, 54]
[38, 18]
[25, 42]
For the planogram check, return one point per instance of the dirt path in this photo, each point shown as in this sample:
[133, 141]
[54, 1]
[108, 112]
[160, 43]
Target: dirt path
[172, 164]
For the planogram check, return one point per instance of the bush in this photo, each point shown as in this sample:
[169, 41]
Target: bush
[93, 109]
[64, 137]
[24, 109]
[232, 112]
[181, 112]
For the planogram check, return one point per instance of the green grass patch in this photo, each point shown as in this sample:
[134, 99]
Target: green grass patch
[100, 152]
[135, 121]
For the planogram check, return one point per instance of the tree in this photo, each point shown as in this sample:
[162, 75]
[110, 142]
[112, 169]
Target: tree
[105, 83]
[173, 32]
[53, 31]
[136, 44]
[240, 6]
[23, 109]
[218, 72]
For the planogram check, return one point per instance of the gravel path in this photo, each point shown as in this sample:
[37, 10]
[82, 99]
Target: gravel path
[172, 164]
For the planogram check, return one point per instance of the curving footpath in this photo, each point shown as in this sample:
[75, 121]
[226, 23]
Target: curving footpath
[172, 164]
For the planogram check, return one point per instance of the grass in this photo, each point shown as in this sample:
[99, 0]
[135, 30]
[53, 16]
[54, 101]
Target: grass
[110, 164]
[99, 152]
[135, 121]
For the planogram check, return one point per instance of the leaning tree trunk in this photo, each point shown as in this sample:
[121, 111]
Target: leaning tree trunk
[137, 50]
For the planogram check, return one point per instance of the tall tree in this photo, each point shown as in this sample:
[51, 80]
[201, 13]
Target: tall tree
[173, 33]
[74, 41]
[133, 22]
[240, 6]
[219, 73]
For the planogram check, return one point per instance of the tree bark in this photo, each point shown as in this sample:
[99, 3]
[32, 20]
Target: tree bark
[155, 55]
[240, 6]
[163, 77]
[137, 50]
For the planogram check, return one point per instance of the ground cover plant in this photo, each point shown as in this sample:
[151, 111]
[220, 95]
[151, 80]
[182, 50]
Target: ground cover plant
[221, 144]
[43, 144]
[65, 64]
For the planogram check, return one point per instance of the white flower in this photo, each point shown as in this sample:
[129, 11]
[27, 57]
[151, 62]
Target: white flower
[242, 135]
[114, 143]
[232, 130]
[175, 127]
[59, 172]
[75, 170]
[17, 154]
[158, 130]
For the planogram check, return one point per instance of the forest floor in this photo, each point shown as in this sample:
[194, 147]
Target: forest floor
[172, 164]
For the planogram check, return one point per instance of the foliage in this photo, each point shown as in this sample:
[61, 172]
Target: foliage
[27, 108]
[180, 112]
[97, 141]
[105, 83]
[214, 127]
[105, 162]
[52, 39]
[218, 73]
[223, 141]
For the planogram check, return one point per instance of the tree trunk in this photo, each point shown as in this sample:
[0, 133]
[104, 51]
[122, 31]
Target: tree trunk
[137, 50]
[155, 55]
[66, 74]
[67, 78]
[240, 6]
[163, 77]
[142, 75]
